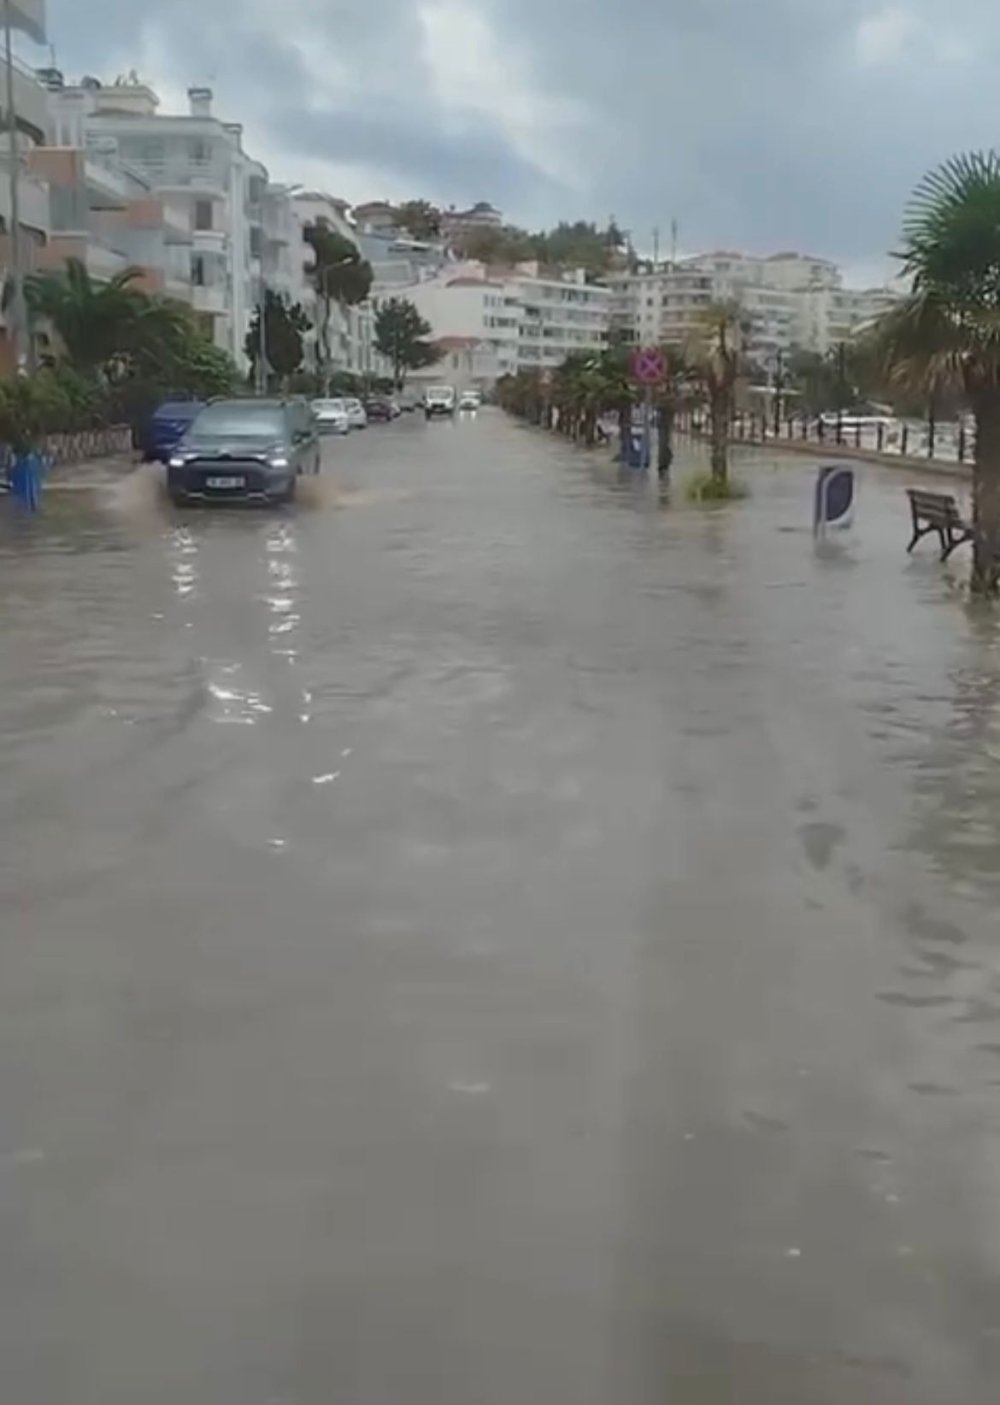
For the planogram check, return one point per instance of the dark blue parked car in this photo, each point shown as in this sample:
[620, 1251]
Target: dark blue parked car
[166, 426]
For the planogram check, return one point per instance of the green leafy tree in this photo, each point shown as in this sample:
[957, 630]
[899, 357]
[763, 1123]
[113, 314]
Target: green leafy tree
[401, 336]
[285, 326]
[420, 218]
[945, 335]
[339, 274]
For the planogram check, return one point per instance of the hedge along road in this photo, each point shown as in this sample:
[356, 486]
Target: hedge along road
[495, 939]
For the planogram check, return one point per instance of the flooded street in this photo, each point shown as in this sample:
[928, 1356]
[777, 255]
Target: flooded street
[482, 936]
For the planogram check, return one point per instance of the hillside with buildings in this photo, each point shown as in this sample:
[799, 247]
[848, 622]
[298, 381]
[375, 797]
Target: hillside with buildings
[107, 176]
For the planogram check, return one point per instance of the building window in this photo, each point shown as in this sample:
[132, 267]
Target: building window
[198, 271]
[199, 150]
[203, 214]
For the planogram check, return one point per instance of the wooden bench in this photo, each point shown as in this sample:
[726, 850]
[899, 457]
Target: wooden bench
[938, 512]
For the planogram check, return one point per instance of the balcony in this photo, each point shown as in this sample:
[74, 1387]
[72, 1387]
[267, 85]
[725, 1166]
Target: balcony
[209, 241]
[34, 204]
[211, 299]
[30, 103]
[199, 177]
[104, 262]
[108, 187]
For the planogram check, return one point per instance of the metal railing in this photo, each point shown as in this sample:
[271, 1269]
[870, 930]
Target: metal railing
[945, 441]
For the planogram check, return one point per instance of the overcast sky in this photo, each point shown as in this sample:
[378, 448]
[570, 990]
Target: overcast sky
[757, 124]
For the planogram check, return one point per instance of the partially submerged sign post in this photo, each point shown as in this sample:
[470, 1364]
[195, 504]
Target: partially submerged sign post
[648, 369]
[833, 501]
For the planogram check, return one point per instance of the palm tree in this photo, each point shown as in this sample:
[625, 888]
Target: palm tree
[716, 354]
[945, 335]
[96, 322]
[671, 395]
[339, 274]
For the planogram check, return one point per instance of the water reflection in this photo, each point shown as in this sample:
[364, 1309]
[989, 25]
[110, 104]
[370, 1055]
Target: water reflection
[283, 589]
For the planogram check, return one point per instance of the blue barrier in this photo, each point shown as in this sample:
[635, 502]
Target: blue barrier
[24, 479]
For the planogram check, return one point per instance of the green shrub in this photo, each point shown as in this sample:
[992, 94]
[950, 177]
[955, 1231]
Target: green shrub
[704, 487]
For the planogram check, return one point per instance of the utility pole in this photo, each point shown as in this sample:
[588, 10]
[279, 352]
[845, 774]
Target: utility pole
[779, 385]
[16, 320]
[262, 340]
[656, 247]
[673, 242]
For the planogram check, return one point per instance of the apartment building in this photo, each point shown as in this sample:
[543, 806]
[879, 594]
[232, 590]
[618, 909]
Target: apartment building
[213, 196]
[32, 192]
[524, 317]
[790, 299]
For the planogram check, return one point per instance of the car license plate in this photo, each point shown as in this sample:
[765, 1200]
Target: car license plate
[225, 482]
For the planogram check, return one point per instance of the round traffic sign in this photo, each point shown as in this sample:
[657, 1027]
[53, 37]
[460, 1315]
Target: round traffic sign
[649, 365]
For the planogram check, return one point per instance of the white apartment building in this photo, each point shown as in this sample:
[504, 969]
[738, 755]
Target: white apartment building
[196, 167]
[31, 113]
[792, 300]
[521, 317]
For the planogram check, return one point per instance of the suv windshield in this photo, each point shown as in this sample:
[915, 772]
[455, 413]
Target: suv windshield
[246, 421]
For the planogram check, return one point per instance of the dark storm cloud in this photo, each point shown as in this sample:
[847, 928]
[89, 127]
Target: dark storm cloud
[756, 123]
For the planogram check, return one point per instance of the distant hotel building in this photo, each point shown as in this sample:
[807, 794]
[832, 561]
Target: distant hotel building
[791, 300]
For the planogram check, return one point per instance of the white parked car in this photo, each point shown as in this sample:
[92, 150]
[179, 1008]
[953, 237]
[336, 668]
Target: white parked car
[356, 416]
[470, 400]
[331, 416]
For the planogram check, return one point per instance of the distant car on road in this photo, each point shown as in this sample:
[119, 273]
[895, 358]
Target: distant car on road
[470, 400]
[378, 407]
[331, 416]
[356, 416]
[439, 400]
[248, 451]
[165, 427]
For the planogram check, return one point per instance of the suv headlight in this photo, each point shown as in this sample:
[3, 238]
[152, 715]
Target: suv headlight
[176, 461]
[278, 461]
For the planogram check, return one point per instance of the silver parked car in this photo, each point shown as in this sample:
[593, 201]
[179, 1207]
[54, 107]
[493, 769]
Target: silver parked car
[331, 416]
[357, 417]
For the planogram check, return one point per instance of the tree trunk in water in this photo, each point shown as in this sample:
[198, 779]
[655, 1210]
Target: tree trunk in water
[720, 436]
[665, 441]
[986, 499]
[624, 431]
[590, 429]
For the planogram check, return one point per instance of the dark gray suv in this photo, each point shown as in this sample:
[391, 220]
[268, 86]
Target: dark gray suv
[249, 451]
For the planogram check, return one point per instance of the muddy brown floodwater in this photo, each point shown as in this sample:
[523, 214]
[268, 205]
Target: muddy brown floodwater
[482, 936]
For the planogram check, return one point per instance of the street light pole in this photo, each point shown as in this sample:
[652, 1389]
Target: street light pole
[15, 313]
[262, 340]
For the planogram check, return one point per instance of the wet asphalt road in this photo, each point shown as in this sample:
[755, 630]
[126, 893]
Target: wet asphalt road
[492, 938]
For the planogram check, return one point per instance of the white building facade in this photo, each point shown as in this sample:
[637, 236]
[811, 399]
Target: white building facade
[196, 166]
[791, 300]
[518, 319]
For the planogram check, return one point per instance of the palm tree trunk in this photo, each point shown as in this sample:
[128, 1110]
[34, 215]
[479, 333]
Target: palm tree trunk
[624, 431]
[665, 440]
[719, 411]
[986, 499]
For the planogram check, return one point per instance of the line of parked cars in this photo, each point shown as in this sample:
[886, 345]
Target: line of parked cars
[254, 450]
[341, 414]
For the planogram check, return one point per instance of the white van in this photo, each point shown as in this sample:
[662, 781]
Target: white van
[439, 400]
